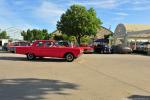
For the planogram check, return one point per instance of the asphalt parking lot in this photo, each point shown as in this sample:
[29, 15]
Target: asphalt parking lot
[90, 77]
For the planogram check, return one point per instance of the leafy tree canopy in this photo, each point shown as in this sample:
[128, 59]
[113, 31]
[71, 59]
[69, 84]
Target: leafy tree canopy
[3, 35]
[35, 34]
[78, 21]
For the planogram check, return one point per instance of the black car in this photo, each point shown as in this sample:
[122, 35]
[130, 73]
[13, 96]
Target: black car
[102, 49]
[121, 49]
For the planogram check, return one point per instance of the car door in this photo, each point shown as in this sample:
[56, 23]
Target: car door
[39, 49]
[51, 50]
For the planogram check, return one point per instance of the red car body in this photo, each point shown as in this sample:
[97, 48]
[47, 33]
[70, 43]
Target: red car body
[47, 48]
[87, 48]
[11, 46]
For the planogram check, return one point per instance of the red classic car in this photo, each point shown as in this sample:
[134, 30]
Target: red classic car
[47, 48]
[87, 49]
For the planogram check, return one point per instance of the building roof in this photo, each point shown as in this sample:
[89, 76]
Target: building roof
[100, 32]
[133, 30]
[136, 27]
[103, 31]
[56, 32]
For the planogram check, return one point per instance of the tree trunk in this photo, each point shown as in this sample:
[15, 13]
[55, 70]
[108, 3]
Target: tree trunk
[78, 40]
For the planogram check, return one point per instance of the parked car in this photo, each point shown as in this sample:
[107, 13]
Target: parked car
[143, 47]
[139, 47]
[101, 46]
[102, 49]
[121, 49]
[5, 47]
[11, 47]
[47, 48]
[87, 49]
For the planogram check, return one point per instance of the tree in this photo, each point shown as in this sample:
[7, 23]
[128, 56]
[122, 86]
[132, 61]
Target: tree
[24, 34]
[86, 39]
[31, 35]
[3, 35]
[46, 35]
[78, 21]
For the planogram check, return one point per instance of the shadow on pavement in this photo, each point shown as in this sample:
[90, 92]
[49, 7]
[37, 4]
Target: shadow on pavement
[36, 60]
[32, 89]
[139, 97]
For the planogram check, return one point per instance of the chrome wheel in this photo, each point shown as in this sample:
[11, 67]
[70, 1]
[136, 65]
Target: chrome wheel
[69, 57]
[30, 56]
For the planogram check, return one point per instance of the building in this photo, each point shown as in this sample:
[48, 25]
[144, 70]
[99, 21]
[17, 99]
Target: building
[126, 33]
[3, 41]
[100, 32]
[14, 33]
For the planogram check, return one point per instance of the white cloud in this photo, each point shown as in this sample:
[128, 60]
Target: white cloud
[46, 12]
[140, 8]
[4, 11]
[122, 14]
[101, 3]
[18, 2]
[49, 9]
[118, 19]
[8, 18]
[139, 2]
[49, 12]
[140, 5]
[19, 23]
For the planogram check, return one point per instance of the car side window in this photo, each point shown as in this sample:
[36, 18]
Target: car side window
[39, 44]
[49, 44]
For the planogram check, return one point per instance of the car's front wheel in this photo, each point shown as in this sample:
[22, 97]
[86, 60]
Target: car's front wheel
[69, 57]
[30, 56]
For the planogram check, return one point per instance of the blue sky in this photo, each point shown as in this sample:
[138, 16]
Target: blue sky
[41, 14]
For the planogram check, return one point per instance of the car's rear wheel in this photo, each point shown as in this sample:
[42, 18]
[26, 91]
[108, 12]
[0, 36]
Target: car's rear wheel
[30, 56]
[69, 57]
